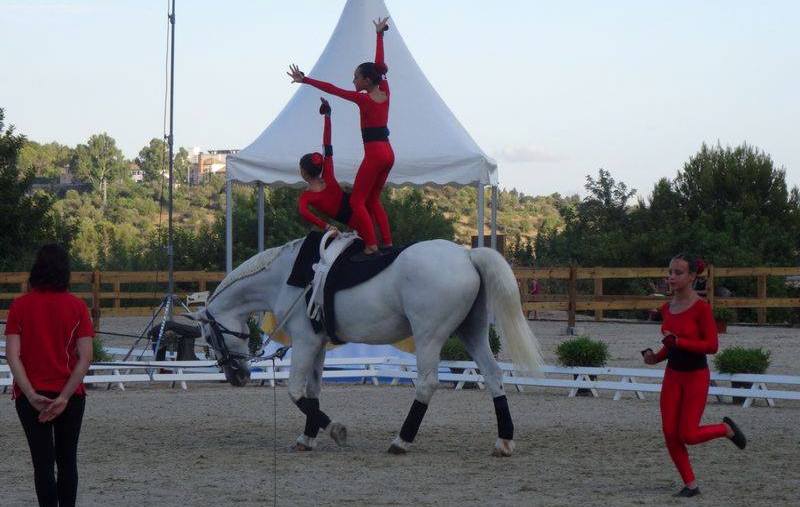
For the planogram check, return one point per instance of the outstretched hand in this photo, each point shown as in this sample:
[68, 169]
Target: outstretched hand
[381, 25]
[295, 73]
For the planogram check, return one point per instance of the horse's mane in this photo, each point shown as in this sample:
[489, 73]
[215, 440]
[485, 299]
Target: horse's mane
[252, 266]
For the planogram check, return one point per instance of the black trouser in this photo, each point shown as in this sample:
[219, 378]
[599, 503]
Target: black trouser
[54, 443]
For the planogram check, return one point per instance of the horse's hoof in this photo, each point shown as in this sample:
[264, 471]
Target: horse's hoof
[298, 447]
[396, 449]
[503, 448]
[338, 433]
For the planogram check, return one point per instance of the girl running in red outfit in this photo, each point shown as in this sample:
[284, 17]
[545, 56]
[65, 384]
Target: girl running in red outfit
[324, 192]
[378, 155]
[689, 334]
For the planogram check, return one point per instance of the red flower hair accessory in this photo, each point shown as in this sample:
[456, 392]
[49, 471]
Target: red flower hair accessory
[701, 266]
[316, 158]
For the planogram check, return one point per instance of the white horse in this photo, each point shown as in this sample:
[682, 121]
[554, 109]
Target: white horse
[434, 289]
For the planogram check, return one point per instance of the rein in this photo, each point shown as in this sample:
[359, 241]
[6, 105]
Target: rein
[217, 341]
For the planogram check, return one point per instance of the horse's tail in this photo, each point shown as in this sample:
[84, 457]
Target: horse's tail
[504, 303]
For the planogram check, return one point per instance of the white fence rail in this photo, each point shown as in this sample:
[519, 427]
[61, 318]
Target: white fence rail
[636, 381]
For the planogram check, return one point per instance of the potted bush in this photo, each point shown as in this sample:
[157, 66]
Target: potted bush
[99, 354]
[453, 350]
[582, 351]
[742, 360]
[722, 316]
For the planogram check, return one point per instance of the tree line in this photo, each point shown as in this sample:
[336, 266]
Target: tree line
[730, 205]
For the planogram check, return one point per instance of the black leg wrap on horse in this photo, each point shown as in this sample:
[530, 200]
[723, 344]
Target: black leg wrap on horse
[505, 427]
[315, 418]
[411, 425]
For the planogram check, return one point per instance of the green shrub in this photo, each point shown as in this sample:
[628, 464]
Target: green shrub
[742, 360]
[582, 351]
[453, 349]
[99, 354]
[724, 314]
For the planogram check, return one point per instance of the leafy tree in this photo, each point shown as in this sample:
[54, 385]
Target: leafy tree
[181, 166]
[412, 218]
[99, 161]
[47, 160]
[152, 159]
[26, 219]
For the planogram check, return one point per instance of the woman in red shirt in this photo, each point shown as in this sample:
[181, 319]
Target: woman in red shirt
[324, 193]
[689, 334]
[49, 349]
[378, 155]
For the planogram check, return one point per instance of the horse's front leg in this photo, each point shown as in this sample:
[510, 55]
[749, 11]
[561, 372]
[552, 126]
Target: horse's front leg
[305, 383]
[316, 419]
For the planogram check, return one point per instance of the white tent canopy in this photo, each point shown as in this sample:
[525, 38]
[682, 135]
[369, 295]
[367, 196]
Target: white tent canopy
[431, 146]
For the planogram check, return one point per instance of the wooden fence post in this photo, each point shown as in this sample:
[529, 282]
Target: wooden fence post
[598, 291]
[762, 294]
[572, 292]
[710, 285]
[116, 294]
[96, 299]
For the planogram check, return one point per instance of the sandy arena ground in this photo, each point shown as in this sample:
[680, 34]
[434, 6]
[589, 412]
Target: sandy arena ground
[213, 444]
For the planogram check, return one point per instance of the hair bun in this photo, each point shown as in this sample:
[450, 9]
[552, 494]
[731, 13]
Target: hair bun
[316, 158]
[700, 265]
[381, 68]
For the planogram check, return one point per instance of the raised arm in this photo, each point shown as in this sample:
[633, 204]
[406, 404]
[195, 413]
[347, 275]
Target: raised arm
[350, 95]
[380, 27]
[299, 77]
[327, 163]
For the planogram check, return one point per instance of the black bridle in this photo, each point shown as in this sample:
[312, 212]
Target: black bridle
[228, 358]
[217, 342]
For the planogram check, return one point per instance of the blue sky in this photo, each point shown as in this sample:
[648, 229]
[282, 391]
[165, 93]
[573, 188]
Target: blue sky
[553, 90]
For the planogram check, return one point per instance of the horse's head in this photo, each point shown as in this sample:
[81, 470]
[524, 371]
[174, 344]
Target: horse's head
[228, 338]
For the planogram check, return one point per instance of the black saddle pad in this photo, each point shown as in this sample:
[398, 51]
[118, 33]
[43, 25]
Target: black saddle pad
[344, 273]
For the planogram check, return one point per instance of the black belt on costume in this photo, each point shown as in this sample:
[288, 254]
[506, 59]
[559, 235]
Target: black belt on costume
[345, 211]
[371, 134]
[683, 360]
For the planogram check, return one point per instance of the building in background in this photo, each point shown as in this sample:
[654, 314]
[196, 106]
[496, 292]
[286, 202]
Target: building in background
[205, 163]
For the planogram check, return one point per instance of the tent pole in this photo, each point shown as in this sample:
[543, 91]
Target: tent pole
[260, 190]
[494, 217]
[481, 206]
[228, 226]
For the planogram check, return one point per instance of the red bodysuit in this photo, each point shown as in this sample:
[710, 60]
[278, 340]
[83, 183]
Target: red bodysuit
[685, 387]
[378, 155]
[332, 201]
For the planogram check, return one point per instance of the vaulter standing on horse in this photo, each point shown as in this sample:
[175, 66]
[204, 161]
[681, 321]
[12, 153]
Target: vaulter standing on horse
[372, 98]
[324, 193]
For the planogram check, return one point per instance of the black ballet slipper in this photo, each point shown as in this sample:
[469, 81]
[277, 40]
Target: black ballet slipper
[687, 492]
[738, 437]
[385, 249]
